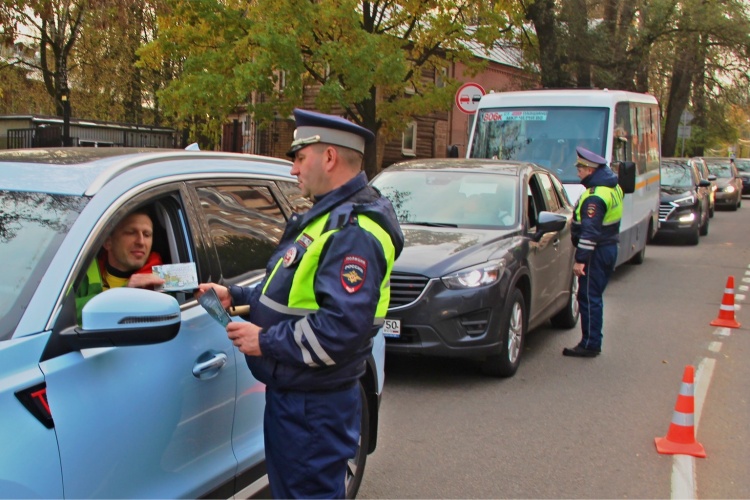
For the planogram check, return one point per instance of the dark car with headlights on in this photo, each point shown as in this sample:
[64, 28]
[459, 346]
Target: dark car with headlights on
[684, 201]
[488, 257]
[728, 182]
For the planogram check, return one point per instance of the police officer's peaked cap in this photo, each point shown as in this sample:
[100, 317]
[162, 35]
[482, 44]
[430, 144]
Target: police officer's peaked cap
[588, 159]
[313, 127]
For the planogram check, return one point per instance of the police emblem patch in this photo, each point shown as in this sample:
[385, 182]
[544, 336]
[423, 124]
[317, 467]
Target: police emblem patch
[304, 240]
[353, 272]
[591, 210]
[289, 257]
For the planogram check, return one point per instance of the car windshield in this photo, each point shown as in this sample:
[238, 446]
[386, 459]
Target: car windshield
[674, 175]
[451, 198]
[32, 226]
[743, 165]
[720, 168]
[547, 136]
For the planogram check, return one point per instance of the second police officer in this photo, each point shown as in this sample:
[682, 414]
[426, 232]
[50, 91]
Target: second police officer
[595, 233]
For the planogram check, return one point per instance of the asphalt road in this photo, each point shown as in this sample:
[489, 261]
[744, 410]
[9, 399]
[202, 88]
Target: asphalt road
[585, 428]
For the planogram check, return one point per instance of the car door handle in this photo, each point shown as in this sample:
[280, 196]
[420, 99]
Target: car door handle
[212, 365]
[556, 243]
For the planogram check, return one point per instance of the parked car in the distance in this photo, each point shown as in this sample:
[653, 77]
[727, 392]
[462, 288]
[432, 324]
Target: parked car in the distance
[488, 257]
[684, 201]
[743, 167]
[700, 164]
[146, 397]
[729, 184]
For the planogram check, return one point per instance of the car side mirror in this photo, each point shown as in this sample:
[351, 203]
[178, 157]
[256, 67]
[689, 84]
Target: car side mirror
[626, 176]
[704, 183]
[126, 317]
[711, 177]
[549, 222]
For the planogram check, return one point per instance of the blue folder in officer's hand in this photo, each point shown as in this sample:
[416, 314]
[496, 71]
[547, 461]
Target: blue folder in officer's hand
[211, 303]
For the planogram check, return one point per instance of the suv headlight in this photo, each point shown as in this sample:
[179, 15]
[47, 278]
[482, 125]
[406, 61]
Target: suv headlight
[684, 201]
[729, 189]
[475, 276]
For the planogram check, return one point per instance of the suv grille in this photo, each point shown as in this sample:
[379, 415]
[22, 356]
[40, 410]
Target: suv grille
[665, 209]
[406, 288]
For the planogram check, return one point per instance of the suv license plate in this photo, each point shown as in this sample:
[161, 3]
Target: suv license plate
[392, 328]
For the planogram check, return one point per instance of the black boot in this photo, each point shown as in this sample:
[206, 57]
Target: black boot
[580, 352]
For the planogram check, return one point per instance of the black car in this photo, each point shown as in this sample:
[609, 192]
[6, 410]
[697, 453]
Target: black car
[488, 257]
[743, 167]
[684, 204]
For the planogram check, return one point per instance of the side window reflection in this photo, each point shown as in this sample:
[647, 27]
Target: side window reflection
[245, 224]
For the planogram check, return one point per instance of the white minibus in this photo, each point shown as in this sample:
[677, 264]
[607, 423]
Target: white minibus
[546, 126]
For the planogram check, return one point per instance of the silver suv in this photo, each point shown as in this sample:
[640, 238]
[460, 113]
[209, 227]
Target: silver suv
[147, 398]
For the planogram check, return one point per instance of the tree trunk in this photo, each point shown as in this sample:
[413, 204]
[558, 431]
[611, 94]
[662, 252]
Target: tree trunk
[542, 14]
[679, 94]
[368, 110]
[699, 94]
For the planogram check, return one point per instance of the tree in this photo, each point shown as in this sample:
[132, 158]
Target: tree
[360, 56]
[689, 53]
[111, 84]
[600, 43]
[54, 27]
[87, 48]
[708, 72]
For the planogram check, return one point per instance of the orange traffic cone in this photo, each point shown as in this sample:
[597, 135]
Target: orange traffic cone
[726, 311]
[680, 439]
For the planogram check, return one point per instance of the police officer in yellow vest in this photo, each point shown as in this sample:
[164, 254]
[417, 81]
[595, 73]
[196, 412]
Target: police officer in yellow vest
[595, 232]
[312, 319]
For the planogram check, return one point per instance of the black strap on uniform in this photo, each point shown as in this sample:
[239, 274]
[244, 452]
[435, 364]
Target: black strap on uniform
[341, 216]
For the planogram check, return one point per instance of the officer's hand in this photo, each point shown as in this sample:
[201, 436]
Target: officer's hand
[245, 337]
[579, 269]
[221, 291]
[144, 281]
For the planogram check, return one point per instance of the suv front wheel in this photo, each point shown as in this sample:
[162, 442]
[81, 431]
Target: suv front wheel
[512, 336]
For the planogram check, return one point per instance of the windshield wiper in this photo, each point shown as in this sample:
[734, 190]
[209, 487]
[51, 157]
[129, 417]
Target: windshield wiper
[430, 224]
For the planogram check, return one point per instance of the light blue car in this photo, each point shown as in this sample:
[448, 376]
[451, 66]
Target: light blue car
[147, 398]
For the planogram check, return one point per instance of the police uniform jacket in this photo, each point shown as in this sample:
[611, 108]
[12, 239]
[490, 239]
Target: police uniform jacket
[325, 349]
[590, 229]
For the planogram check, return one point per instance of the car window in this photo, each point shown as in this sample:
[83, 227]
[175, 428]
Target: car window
[743, 165]
[562, 195]
[32, 226]
[702, 169]
[460, 198]
[245, 223]
[553, 204]
[293, 194]
[721, 169]
[676, 175]
[171, 244]
[535, 200]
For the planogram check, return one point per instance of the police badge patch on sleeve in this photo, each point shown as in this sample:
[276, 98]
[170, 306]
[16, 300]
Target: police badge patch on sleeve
[591, 210]
[353, 272]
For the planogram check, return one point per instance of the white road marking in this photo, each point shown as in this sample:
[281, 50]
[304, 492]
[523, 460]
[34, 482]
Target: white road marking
[683, 466]
[714, 346]
[724, 332]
